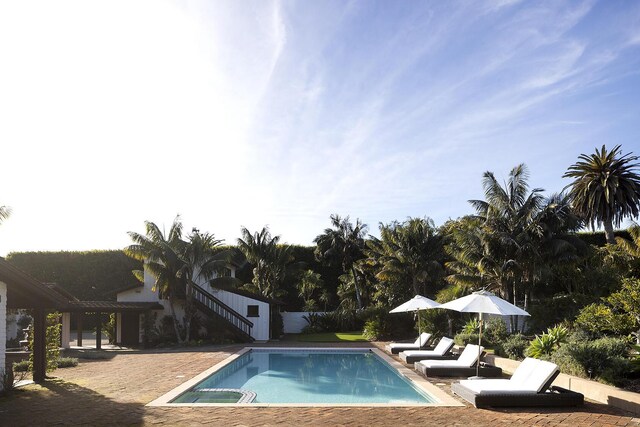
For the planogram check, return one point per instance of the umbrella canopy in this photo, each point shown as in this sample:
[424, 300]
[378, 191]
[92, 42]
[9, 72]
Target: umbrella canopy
[484, 302]
[414, 304]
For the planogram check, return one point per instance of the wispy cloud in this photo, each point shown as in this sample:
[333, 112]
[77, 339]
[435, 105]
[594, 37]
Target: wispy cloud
[281, 113]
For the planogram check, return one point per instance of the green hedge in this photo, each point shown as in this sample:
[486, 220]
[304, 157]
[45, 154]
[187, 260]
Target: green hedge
[93, 275]
[598, 238]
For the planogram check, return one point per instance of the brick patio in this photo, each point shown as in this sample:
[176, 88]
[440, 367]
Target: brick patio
[115, 391]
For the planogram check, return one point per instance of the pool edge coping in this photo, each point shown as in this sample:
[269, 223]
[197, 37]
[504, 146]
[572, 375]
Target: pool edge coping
[442, 397]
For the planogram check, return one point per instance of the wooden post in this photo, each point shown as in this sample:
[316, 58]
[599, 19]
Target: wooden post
[98, 331]
[39, 345]
[79, 331]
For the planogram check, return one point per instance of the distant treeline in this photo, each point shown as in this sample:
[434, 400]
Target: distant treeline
[98, 275]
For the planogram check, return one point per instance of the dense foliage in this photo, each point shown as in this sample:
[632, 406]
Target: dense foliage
[90, 276]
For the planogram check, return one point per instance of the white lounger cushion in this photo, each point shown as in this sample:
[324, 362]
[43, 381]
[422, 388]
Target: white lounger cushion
[530, 377]
[467, 358]
[442, 347]
[417, 344]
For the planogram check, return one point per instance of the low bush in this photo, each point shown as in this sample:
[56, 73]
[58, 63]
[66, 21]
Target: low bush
[495, 330]
[514, 346]
[463, 339]
[67, 362]
[603, 359]
[375, 330]
[22, 366]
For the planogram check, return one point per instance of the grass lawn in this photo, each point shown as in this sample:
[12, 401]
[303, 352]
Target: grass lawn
[327, 337]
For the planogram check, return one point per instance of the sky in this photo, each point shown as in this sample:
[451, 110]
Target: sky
[253, 113]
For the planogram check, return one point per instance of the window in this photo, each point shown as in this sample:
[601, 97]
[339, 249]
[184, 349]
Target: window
[253, 311]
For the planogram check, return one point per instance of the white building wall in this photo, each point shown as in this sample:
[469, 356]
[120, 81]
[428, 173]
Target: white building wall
[3, 328]
[239, 303]
[294, 321]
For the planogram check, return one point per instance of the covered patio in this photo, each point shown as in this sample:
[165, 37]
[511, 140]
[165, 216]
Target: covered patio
[18, 290]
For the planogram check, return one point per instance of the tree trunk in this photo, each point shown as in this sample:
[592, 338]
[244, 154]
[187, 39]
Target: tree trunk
[355, 283]
[176, 324]
[608, 231]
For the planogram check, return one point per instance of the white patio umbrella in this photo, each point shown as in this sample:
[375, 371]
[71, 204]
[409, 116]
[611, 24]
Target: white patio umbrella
[483, 302]
[416, 303]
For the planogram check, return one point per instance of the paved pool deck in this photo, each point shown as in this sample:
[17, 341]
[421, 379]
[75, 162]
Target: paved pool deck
[115, 391]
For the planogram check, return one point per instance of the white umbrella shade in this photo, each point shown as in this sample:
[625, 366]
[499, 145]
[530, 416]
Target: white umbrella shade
[416, 303]
[483, 302]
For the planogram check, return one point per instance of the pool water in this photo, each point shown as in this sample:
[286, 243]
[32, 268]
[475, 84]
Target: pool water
[311, 376]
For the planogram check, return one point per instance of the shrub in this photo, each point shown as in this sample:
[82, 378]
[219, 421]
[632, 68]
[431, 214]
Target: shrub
[550, 311]
[548, 342]
[471, 327]
[495, 330]
[603, 359]
[463, 339]
[67, 362]
[543, 345]
[375, 330]
[22, 366]
[514, 346]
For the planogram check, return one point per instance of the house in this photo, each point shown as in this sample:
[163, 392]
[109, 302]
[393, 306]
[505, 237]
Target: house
[247, 314]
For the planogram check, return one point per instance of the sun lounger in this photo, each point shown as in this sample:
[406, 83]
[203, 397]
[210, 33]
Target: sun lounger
[441, 351]
[463, 366]
[421, 342]
[530, 385]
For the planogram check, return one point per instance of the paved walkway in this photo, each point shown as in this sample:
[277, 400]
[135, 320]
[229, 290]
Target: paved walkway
[115, 391]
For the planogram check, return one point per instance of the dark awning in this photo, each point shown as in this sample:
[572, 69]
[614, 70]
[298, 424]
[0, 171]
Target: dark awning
[110, 306]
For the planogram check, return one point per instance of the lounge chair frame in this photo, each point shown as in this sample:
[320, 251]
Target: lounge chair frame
[552, 396]
[488, 371]
[448, 355]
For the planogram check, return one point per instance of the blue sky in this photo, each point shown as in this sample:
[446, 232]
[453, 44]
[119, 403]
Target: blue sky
[281, 113]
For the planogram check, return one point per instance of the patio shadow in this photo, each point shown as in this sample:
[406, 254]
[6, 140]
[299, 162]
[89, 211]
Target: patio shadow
[64, 403]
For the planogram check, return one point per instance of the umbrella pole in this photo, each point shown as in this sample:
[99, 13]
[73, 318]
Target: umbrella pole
[479, 344]
[419, 332]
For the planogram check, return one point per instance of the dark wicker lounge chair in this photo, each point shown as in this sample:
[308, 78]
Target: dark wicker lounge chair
[420, 343]
[530, 385]
[442, 351]
[463, 366]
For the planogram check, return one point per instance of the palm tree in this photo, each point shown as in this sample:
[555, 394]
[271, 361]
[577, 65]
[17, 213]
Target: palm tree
[5, 212]
[162, 259]
[409, 255]
[343, 244]
[631, 247]
[269, 260]
[200, 263]
[605, 189]
[509, 219]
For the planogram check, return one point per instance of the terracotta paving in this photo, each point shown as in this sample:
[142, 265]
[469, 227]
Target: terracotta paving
[115, 391]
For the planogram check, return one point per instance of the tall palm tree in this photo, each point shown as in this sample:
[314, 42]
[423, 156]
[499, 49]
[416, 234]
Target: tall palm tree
[269, 260]
[343, 244]
[409, 254]
[5, 212]
[605, 188]
[200, 264]
[162, 259]
[509, 218]
[177, 265]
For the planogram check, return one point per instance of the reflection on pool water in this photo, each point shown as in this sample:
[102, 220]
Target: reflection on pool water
[310, 376]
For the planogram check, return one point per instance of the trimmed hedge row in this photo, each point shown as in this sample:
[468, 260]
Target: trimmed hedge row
[91, 275]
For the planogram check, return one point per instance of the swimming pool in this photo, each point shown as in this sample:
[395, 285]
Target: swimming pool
[289, 377]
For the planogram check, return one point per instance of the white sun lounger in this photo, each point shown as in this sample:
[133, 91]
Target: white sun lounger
[421, 342]
[464, 365]
[530, 385]
[441, 351]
